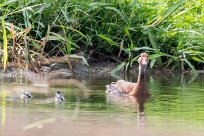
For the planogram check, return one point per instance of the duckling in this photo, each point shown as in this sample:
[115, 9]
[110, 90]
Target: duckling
[59, 97]
[24, 94]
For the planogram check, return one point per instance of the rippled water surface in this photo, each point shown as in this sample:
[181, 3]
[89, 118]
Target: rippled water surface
[176, 107]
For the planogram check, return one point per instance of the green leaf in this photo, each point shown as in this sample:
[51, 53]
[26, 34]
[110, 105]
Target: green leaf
[180, 44]
[167, 13]
[152, 40]
[75, 30]
[107, 39]
[79, 57]
[118, 12]
[154, 45]
[127, 66]
[186, 10]
[26, 19]
[65, 15]
[36, 45]
[190, 65]
[197, 59]
[143, 48]
[57, 37]
[152, 62]
[69, 45]
[173, 7]
[154, 56]
[119, 67]
[127, 33]
[24, 9]
[3, 4]
[131, 47]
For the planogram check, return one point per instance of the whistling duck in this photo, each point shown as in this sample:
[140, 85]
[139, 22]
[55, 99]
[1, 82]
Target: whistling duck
[24, 95]
[59, 97]
[134, 89]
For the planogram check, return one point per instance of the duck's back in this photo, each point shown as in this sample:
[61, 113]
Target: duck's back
[120, 86]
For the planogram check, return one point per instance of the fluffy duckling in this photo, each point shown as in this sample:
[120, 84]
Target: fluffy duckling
[59, 97]
[24, 94]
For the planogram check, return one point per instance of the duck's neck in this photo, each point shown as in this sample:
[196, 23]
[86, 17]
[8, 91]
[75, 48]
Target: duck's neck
[141, 86]
[141, 76]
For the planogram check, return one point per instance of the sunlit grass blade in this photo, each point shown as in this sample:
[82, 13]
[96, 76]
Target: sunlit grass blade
[107, 39]
[69, 45]
[198, 59]
[187, 10]
[180, 44]
[145, 48]
[75, 30]
[79, 57]
[3, 4]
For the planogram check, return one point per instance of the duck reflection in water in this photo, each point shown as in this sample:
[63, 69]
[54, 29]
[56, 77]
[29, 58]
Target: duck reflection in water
[128, 93]
[125, 100]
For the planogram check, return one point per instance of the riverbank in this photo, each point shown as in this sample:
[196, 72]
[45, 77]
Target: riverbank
[62, 71]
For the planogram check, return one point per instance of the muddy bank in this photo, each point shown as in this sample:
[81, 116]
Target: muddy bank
[57, 71]
[62, 71]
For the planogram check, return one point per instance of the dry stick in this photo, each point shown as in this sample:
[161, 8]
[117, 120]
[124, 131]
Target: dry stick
[13, 37]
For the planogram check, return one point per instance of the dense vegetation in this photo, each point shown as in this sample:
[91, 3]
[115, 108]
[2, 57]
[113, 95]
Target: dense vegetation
[117, 30]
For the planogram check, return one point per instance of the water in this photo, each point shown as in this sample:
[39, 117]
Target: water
[176, 107]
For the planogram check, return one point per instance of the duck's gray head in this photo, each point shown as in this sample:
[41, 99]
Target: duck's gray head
[143, 61]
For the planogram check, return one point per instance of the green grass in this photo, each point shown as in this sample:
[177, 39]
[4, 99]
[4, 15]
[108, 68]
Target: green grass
[171, 31]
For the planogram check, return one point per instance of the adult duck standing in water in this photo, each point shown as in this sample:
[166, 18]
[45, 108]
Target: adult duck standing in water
[133, 89]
